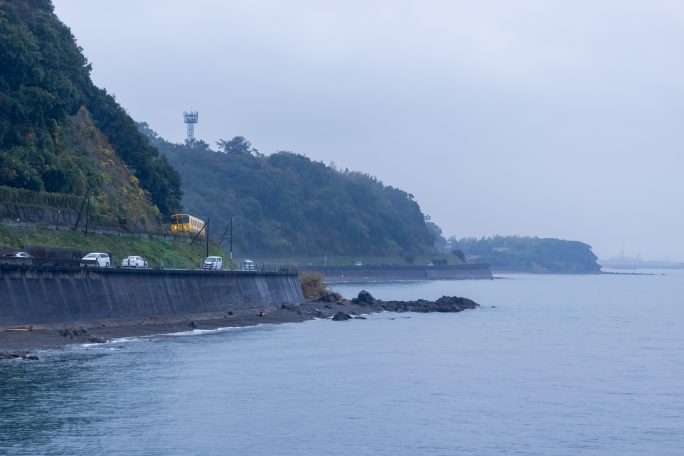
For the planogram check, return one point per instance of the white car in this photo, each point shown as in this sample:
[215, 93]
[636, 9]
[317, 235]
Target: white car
[134, 262]
[213, 263]
[96, 260]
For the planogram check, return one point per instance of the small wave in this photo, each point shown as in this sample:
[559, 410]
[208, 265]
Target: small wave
[197, 332]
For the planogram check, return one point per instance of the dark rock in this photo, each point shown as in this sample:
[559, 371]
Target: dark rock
[193, 324]
[330, 297]
[20, 355]
[71, 333]
[95, 339]
[359, 317]
[364, 299]
[341, 316]
[290, 306]
[318, 314]
[443, 304]
[9, 355]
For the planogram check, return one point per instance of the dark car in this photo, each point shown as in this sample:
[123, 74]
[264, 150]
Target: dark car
[18, 255]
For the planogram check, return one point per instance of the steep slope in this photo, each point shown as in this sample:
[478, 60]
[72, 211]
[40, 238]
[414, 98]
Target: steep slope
[55, 125]
[286, 204]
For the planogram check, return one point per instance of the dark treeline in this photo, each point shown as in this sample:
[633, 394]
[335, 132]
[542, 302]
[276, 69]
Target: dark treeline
[530, 254]
[44, 82]
[287, 204]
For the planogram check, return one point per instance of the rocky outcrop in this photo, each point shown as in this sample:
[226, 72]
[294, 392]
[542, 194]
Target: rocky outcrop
[443, 304]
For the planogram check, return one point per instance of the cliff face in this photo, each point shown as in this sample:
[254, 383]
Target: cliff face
[62, 135]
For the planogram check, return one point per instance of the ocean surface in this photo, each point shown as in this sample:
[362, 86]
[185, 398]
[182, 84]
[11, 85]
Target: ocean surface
[550, 365]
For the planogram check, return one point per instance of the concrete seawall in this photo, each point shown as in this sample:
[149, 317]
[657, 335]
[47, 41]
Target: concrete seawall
[34, 295]
[383, 273]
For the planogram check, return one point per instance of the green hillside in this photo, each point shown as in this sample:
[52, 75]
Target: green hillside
[287, 204]
[531, 254]
[61, 134]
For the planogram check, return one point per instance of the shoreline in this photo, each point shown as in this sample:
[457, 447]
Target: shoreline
[331, 306]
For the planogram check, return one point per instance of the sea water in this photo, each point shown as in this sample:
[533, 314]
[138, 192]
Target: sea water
[550, 365]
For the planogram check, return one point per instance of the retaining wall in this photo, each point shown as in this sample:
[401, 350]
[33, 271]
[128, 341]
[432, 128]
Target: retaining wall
[383, 273]
[34, 295]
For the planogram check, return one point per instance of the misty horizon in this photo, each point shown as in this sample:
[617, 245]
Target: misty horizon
[549, 120]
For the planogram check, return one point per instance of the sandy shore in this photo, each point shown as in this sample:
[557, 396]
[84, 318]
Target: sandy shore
[58, 336]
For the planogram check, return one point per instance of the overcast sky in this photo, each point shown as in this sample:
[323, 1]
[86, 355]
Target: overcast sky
[549, 118]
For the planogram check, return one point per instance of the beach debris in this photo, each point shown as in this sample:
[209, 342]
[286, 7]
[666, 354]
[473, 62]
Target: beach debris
[28, 328]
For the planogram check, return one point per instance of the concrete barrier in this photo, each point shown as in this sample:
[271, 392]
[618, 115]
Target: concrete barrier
[391, 273]
[39, 295]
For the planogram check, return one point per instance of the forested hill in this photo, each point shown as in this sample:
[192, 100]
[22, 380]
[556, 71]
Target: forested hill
[59, 133]
[531, 254]
[287, 204]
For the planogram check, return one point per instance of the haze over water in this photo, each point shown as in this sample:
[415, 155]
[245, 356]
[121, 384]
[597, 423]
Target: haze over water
[562, 365]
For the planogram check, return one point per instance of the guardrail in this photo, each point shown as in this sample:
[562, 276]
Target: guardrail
[61, 263]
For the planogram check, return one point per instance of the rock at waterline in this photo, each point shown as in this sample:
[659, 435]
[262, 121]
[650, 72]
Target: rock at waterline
[443, 304]
[364, 299]
[341, 316]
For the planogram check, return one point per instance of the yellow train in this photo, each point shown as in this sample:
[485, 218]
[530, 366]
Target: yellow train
[186, 223]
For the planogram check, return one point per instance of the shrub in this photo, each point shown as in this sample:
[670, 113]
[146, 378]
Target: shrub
[312, 284]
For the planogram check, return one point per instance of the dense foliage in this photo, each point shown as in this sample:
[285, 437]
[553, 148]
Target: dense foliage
[44, 83]
[287, 204]
[531, 254]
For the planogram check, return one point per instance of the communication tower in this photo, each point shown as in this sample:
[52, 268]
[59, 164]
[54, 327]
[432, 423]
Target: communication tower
[190, 118]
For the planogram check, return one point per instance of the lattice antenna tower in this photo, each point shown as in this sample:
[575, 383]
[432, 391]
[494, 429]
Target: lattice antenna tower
[190, 118]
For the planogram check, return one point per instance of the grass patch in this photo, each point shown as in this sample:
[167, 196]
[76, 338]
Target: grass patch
[159, 253]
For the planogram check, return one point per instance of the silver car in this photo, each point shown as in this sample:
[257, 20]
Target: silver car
[213, 263]
[96, 260]
[134, 262]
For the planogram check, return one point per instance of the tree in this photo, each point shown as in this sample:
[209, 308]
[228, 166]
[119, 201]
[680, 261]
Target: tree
[237, 145]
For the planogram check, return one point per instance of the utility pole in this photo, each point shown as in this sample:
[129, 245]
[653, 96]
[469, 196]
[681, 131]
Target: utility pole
[87, 215]
[206, 233]
[78, 219]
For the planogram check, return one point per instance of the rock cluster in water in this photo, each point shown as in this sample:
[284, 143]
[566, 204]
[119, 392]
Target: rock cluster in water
[366, 303]
[443, 304]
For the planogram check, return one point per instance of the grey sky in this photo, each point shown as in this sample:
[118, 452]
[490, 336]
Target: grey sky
[548, 118]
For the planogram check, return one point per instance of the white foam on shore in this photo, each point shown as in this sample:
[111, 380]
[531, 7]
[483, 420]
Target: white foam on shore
[197, 332]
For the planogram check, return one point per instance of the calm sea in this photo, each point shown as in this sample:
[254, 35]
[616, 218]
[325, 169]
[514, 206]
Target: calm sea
[551, 365]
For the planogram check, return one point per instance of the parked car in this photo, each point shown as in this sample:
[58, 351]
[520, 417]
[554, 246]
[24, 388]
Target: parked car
[96, 260]
[134, 262]
[213, 263]
[247, 265]
[18, 255]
